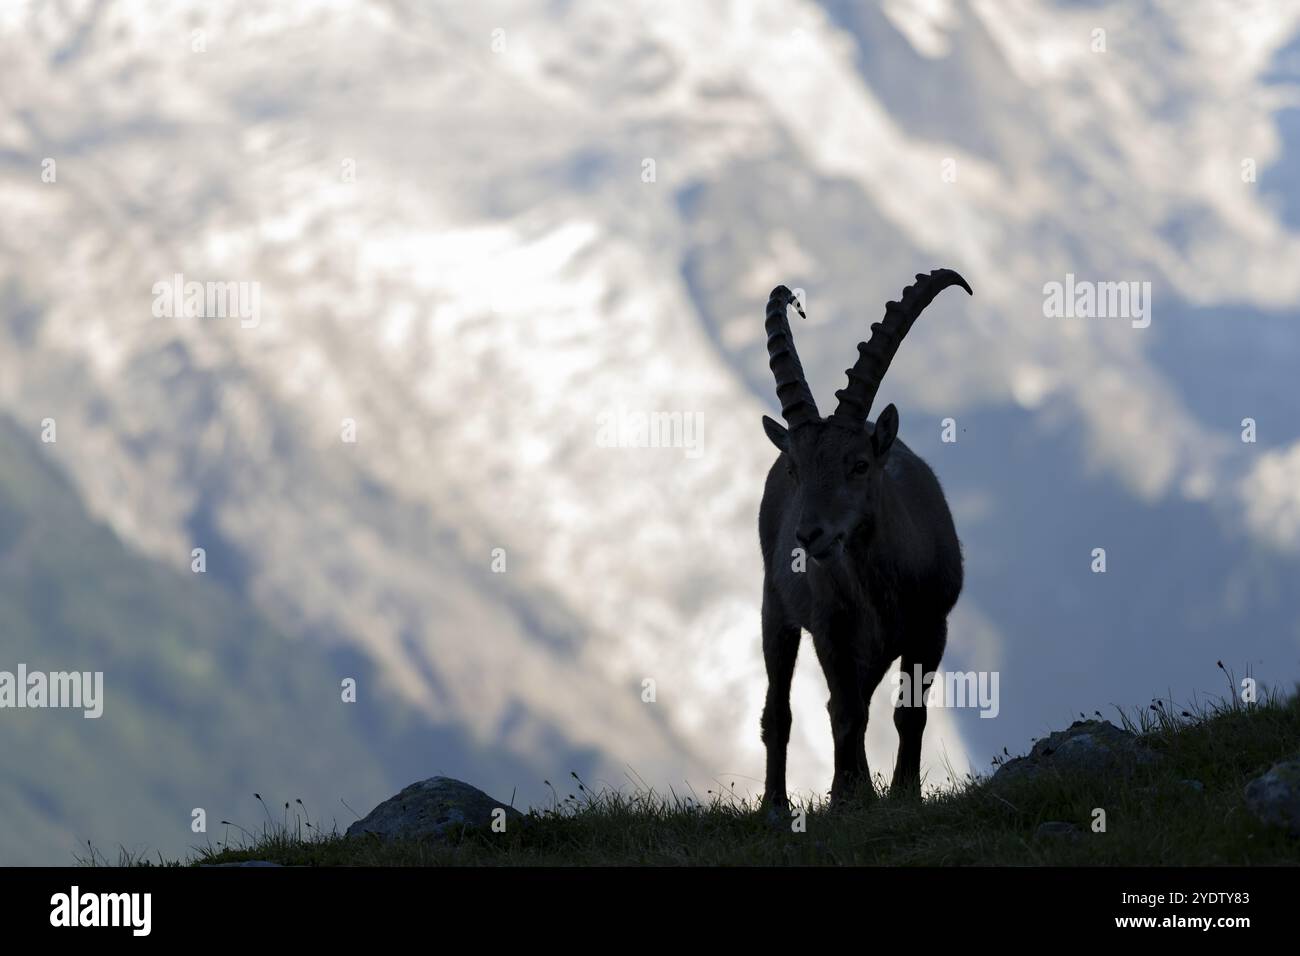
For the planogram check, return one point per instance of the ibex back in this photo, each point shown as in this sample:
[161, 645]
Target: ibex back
[859, 549]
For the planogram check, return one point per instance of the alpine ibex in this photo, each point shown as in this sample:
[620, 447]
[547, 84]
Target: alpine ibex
[885, 565]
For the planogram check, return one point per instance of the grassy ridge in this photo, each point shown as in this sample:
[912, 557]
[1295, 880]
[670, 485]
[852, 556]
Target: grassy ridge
[1153, 817]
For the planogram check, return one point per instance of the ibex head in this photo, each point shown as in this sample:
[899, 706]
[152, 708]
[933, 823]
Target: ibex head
[836, 461]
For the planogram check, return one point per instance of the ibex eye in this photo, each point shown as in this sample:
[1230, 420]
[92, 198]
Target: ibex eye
[861, 467]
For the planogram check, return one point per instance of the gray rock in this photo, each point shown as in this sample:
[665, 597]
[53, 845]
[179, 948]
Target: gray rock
[428, 809]
[1091, 747]
[1057, 830]
[1274, 798]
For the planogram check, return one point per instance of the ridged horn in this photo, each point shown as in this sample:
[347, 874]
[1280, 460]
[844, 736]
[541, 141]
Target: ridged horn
[875, 355]
[792, 391]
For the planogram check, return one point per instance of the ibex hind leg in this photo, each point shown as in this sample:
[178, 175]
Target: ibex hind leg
[924, 650]
[780, 648]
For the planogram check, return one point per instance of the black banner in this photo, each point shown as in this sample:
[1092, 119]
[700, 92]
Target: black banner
[271, 904]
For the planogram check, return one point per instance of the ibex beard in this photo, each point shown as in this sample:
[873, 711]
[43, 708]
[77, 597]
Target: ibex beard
[884, 566]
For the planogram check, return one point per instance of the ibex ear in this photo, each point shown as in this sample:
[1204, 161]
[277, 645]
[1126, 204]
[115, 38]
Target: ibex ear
[886, 431]
[779, 436]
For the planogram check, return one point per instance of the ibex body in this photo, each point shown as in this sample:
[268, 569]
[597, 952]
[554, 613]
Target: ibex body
[858, 546]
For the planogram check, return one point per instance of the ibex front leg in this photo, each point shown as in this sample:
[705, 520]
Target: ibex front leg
[780, 647]
[844, 669]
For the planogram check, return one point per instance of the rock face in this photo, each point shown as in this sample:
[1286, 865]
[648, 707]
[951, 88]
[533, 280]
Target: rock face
[1089, 747]
[428, 809]
[1274, 798]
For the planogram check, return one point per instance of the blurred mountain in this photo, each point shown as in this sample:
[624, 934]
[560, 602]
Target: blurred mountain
[204, 702]
[479, 230]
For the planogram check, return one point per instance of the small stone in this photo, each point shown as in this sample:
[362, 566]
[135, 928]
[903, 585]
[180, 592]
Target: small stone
[244, 863]
[1056, 830]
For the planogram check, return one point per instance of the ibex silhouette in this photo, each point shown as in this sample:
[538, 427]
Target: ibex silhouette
[884, 564]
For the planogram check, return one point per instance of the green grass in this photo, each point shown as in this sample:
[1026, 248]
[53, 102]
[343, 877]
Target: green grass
[1152, 818]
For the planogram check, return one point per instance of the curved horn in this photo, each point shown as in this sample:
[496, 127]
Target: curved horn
[874, 356]
[792, 391]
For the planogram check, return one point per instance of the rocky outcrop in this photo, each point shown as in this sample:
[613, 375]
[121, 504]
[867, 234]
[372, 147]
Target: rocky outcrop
[1090, 747]
[431, 808]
